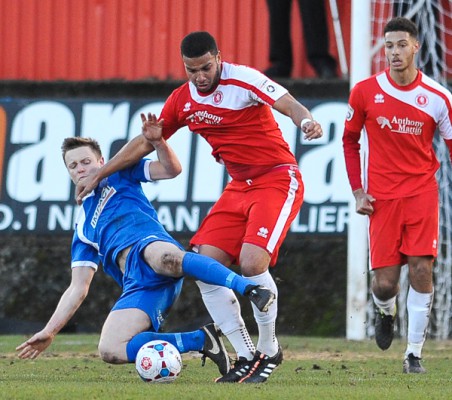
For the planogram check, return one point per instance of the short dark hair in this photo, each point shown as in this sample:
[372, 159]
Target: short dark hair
[403, 25]
[198, 43]
[72, 143]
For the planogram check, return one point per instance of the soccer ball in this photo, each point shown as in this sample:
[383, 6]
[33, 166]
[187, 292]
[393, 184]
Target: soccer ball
[158, 361]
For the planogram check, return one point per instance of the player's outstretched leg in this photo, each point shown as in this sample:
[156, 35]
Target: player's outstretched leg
[214, 348]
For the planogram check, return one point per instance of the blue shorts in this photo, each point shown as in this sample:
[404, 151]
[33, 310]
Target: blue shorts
[144, 289]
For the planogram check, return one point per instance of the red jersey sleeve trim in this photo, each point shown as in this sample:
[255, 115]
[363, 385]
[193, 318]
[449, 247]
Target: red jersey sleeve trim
[350, 142]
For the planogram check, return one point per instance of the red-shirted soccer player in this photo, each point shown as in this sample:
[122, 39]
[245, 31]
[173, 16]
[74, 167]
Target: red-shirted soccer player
[229, 106]
[400, 109]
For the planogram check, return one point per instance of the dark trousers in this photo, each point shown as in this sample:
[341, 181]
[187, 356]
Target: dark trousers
[315, 32]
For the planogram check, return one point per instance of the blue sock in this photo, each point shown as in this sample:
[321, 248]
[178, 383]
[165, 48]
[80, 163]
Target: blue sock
[184, 342]
[208, 270]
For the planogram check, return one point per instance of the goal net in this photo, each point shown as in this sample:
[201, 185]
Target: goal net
[434, 20]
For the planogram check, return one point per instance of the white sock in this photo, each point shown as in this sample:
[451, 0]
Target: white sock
[266, 321]
[389, 307]
[419, 306]
[224, 308]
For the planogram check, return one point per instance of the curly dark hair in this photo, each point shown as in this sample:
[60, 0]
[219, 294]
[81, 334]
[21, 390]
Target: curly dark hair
[401, 24]
[198, 43]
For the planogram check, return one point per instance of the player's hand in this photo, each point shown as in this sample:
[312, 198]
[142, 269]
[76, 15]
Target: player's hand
[363, 202]
[35, 345]
[312, 130]
[152, 128]
[85, 186]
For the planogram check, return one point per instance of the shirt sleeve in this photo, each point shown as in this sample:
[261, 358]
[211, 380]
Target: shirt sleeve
[83, 255]
[171, 122]
[356, 115]
[263, 89]
[350, 142]
[449, 146]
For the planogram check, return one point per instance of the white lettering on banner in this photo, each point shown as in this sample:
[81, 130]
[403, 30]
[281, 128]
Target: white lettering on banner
[35, 170]
[322, 219]
[6, 217]
[208, 174]
[31, 212]
[61, 218]
[168, 189]
[106, 122]
[35, 175]
[323, 167]
[183, 218]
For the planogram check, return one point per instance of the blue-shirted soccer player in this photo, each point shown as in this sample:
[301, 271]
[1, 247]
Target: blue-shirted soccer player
[118, 227]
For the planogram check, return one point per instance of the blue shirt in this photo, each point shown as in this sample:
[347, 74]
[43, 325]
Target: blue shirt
[114, 216]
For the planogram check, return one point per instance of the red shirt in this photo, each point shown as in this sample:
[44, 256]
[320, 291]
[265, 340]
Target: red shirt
[399, 124]
[235, 118]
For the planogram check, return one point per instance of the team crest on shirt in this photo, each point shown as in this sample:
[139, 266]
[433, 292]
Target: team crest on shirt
[379, 98]
[217, 97]
[421, 100]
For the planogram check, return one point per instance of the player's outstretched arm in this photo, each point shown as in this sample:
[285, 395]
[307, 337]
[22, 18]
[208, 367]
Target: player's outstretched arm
[168, 165]
[300, 116]
[69, 303]
[129, 155]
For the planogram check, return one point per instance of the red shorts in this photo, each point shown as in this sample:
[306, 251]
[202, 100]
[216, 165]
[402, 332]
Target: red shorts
[257, 211]
[403, 227]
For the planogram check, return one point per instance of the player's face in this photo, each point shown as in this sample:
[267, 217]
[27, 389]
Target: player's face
[204, 72]
[400, 50]
[81, 161]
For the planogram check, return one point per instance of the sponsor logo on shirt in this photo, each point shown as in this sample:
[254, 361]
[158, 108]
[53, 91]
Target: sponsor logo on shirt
[384, 122]
[401, 125]
[187, 106]
[107, 193]
[204, 117]
[379, 98]
[263, 232]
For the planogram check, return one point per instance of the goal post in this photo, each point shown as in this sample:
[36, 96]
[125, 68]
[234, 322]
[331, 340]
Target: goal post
[357, 253]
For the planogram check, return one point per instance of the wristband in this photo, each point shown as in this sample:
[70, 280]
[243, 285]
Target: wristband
[304, 121]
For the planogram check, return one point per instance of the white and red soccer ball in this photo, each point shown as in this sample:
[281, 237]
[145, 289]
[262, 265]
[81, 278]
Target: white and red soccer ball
[158, 361]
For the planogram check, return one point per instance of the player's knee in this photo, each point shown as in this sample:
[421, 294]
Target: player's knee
[385, 289]
[109, 355]
[170, 264]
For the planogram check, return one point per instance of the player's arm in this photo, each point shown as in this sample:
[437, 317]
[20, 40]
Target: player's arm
[168, 165]
[69, 303]
[449, 146]
[300, 116]
[129, 155]
[350, 142]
